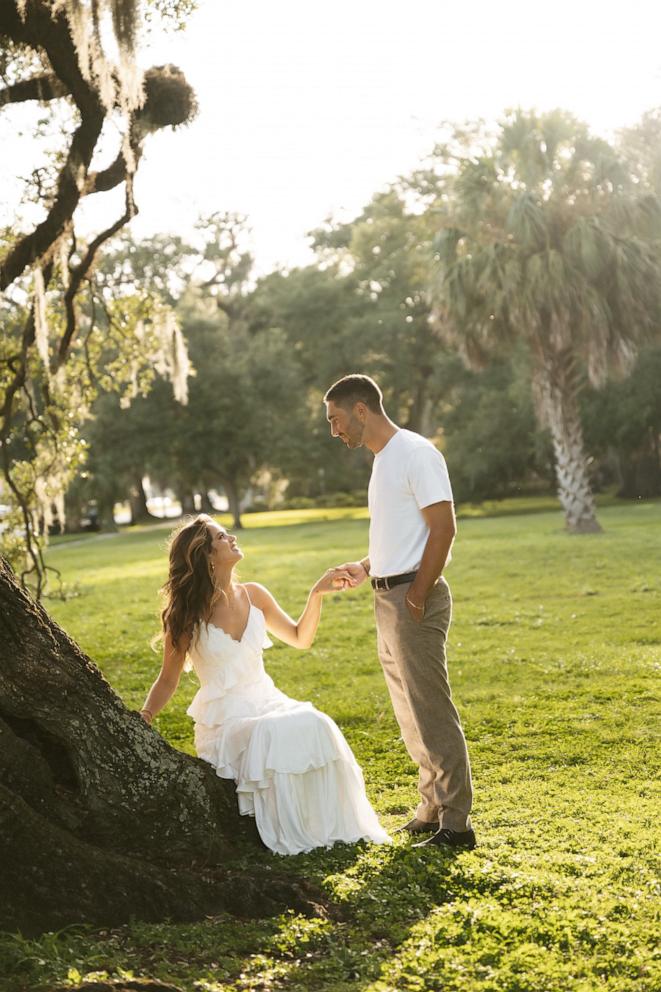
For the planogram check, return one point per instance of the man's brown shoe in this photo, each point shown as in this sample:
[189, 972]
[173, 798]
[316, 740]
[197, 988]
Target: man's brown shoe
[416, 826]
[450, 838]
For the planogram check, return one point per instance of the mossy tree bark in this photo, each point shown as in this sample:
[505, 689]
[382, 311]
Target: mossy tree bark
[100, 819]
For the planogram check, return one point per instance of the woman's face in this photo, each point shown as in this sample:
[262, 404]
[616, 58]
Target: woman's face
[225, 550]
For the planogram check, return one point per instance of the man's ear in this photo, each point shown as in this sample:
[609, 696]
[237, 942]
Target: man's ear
[361, 410]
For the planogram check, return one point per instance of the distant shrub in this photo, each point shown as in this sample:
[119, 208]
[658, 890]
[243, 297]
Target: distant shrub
[298, 503]
[257, 506]
[356, 498]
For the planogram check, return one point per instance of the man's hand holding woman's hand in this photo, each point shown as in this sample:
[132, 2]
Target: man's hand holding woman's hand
[351, 573]
[346, 576]
[356, 571]
[333, 580]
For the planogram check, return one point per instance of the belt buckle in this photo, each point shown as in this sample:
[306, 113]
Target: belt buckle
[386, 584]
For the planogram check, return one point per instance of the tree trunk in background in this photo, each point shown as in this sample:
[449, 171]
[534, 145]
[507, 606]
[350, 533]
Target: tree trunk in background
[234, 500]
[419, 418]
[138, 502]
[187, 500]
[640, 474]
[106, 505]
[207, 505]
[74, 508]
[556, 391]
[100, 819]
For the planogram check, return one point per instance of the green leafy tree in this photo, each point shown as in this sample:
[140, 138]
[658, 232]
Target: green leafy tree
[318, 310]
[387, 249]
[493, 445]
[54, 55]
[246, 374]
[623, 428]
[544, 239]
[364, 306]
[246, 405]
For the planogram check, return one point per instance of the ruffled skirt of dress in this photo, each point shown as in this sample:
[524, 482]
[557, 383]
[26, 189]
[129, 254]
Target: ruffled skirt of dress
[295, 773]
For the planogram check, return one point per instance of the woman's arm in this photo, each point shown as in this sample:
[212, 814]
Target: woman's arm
[168, 678]
[298, 634]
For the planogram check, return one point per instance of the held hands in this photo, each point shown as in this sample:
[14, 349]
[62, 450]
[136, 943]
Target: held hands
[346, 576]
[356, 571]
[332, 580]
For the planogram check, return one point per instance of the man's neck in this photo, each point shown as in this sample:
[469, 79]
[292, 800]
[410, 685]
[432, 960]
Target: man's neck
[380, 432]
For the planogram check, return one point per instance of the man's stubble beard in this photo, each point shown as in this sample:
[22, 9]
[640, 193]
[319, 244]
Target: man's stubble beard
[355, 432]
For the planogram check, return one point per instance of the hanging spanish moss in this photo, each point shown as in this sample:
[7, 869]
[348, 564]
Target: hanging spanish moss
[125, 23]
[118, 82]
[171, 361]
[40, 319]
[81, 52]
[169, 99]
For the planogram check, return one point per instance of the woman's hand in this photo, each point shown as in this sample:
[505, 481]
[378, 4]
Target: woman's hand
[333, 580]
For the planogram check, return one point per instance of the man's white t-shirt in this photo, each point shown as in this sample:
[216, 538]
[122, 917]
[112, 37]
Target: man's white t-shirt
[408, 474]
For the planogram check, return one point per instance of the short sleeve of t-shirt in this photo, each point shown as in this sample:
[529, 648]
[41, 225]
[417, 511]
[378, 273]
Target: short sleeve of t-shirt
[428, 476]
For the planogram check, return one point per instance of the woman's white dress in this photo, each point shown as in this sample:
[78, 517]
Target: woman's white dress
[294, 771]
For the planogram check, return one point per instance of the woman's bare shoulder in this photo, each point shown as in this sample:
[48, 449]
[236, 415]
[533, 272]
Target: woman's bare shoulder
[258, 594]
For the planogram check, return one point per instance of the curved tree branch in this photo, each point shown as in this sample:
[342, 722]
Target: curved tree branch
[79, 274]
[40, 29]
[44, 87]
[168, 101]
[110, 177]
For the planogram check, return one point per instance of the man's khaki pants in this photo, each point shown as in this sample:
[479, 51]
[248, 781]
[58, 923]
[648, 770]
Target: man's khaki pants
[413, 658]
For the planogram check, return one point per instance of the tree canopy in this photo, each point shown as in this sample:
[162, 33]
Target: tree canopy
[546, 239]
[54, 54]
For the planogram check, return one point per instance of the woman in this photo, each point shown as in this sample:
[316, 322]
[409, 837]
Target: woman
[293, 769]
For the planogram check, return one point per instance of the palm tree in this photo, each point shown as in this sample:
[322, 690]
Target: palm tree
[545, 238]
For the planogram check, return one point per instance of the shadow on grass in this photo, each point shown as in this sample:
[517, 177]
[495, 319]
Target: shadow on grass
[380, 893]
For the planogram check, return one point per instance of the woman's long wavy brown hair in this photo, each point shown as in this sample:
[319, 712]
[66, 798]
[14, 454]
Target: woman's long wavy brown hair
[189, 590]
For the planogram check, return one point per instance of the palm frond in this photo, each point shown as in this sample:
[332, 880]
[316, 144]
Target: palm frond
[526, 222]
[547, 240]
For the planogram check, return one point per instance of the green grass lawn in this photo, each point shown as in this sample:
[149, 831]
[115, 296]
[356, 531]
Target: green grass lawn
[554, 655]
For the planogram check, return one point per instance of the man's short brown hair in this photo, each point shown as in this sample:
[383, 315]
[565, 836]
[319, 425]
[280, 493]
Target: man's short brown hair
[356, 388]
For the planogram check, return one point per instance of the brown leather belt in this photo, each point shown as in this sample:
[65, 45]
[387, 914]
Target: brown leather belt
[388, 581]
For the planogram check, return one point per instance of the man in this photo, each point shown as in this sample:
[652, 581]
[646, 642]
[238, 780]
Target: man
[412, 527]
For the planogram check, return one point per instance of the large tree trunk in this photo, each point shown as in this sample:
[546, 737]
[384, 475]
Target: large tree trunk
[556, 389]
[234, 500]
[74, 509]
[138, 502]
[206, 505]
[100, 819]
[187, 500]
[420, 411]
[106, 507]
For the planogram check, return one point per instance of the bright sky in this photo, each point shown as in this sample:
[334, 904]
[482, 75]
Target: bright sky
[308, 108]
